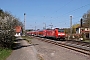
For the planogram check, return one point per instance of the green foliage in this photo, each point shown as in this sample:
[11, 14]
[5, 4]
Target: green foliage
[27, 38]
[86, 19]
[4, 53]
[74, 27]
[1, 13]
[6, 38]
[86, 41]
[67, 30]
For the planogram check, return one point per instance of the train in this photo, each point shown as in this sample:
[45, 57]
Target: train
[49, 33]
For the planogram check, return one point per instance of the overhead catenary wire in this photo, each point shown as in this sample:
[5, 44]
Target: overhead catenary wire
[75, 9]
[65, 5]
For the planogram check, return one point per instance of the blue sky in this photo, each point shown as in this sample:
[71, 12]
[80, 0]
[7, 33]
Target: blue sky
[49, 12]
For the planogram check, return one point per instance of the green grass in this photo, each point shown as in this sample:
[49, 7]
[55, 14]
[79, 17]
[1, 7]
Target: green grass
[87, 41]
[27, 38]
[4, 53]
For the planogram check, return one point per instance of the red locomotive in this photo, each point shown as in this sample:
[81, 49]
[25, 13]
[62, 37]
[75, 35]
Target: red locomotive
[56, 33]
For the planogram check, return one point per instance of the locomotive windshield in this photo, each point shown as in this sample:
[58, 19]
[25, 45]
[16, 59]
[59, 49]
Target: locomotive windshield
[60, 30]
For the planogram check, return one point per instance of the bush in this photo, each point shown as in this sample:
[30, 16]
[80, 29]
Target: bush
[6, 38]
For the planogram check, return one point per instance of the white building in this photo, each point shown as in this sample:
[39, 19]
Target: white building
[86, 31]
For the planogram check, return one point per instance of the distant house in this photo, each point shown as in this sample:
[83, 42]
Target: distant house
[18, 30]
[85, 31]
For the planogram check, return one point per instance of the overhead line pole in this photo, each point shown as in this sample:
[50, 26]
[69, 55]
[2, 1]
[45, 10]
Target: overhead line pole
[35, 26]
[45, 25]
[70, 25]
[24, 22]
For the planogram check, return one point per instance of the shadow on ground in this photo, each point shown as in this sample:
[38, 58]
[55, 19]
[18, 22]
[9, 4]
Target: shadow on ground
[17, 45]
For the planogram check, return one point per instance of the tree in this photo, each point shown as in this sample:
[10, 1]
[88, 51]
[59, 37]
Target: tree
[7, 25]
[74, 27]
[86, 19]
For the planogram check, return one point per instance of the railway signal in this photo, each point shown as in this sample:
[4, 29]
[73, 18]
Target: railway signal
[81, 22]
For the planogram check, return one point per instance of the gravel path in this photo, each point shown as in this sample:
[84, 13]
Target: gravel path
[24, 52]
[52, 52]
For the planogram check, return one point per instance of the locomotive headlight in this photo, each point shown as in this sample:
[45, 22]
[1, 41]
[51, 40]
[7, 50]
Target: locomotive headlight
[61, 34]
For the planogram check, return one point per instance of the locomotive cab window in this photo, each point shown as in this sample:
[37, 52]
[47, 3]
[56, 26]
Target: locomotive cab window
[59, 30]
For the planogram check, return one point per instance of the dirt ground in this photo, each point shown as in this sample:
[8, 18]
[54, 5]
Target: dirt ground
[23, 51]
[52, 52]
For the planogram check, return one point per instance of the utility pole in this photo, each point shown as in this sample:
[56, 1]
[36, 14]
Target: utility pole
[89, 31]
[24, 22]
[70, 25]
[35, 25]
[45, 25]
[51, 25]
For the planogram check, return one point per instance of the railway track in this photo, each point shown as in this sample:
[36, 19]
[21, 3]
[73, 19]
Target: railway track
[78, 46]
